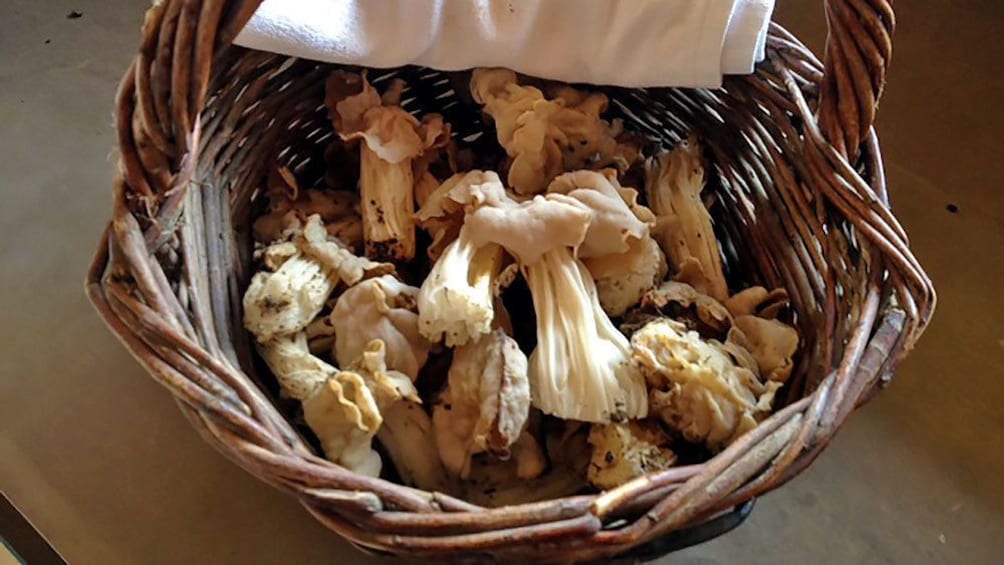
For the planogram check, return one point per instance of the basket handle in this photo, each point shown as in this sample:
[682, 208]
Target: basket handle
[858, 51]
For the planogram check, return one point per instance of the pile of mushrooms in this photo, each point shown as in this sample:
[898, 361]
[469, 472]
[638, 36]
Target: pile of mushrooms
[507, 340]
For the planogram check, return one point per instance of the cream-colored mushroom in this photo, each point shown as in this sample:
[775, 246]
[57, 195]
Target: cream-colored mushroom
[758, 301]
[390, 139]
[695, 388]
[485, 404]
[772, 344]
[287, 300]
[344, 416]
[545, 137]
[441, 216]
[684, 303]
[406, 433]
[617, 249]
[626, 451]
[380, 308]
[580, 368]
[674, 182]
[338, 405]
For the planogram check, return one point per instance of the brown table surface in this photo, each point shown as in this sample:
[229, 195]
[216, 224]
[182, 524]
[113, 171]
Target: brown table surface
[100, 459]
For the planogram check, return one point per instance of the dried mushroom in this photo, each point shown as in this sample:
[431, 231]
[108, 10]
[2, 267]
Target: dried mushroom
[390, 139]
[287, 300]
[696, 388]
[441, 216]
[299, 372]
[625, 451]
[380, 308]
[684, 303]
[406, 433]
[545, 137]
[317, 243]
[456, 299]
[617, 249]
[289, 205]
[486, 402]
[338, 406]
[344, 416]
[758, 301]
[772, 344]
[683, 225]
[580, 368]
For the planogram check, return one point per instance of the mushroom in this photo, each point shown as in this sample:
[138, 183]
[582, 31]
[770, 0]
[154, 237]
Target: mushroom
[406, 433]
[684, 303]
[617, 249]
[674, 182]
[696, 388]
[307, 270]
[380, 308]
[544, 137]
[442, 216]
[299, 372]
[338, 209]
[390, 139]
[625, 451]
[758, 301]
[771, 342]
[485, 404]
[456, 300]
[338, 406]
[580, 368]
[344, 416]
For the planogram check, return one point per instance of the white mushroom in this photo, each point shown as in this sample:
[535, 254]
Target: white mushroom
[696, 388]
[455, 302]
[343, 415]
[617, 249]
[580, 368]
[485, 404]
[287, 300]
[380, 308]
[407, 432]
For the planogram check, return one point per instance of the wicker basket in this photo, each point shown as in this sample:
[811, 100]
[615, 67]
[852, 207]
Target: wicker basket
[801, 203]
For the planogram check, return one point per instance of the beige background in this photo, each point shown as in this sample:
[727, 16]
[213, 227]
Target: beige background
[100, 459]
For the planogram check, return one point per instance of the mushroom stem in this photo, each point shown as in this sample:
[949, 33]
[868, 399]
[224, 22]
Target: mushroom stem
[388, 205]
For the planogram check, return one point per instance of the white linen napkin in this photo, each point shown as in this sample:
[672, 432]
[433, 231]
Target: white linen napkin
[615, 42]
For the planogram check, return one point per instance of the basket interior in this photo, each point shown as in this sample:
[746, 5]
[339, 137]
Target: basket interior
[265, 109]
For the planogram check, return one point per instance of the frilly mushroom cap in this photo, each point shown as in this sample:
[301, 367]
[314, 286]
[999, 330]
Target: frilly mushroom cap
[530, 229]
[614, 223]
[344, 416]
[695, 387]
[772, 344]
[380, 308]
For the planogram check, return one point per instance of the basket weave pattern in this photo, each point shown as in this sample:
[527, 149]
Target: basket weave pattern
[801, 204]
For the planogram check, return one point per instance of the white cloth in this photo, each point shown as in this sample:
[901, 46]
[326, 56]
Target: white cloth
[615, 42]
